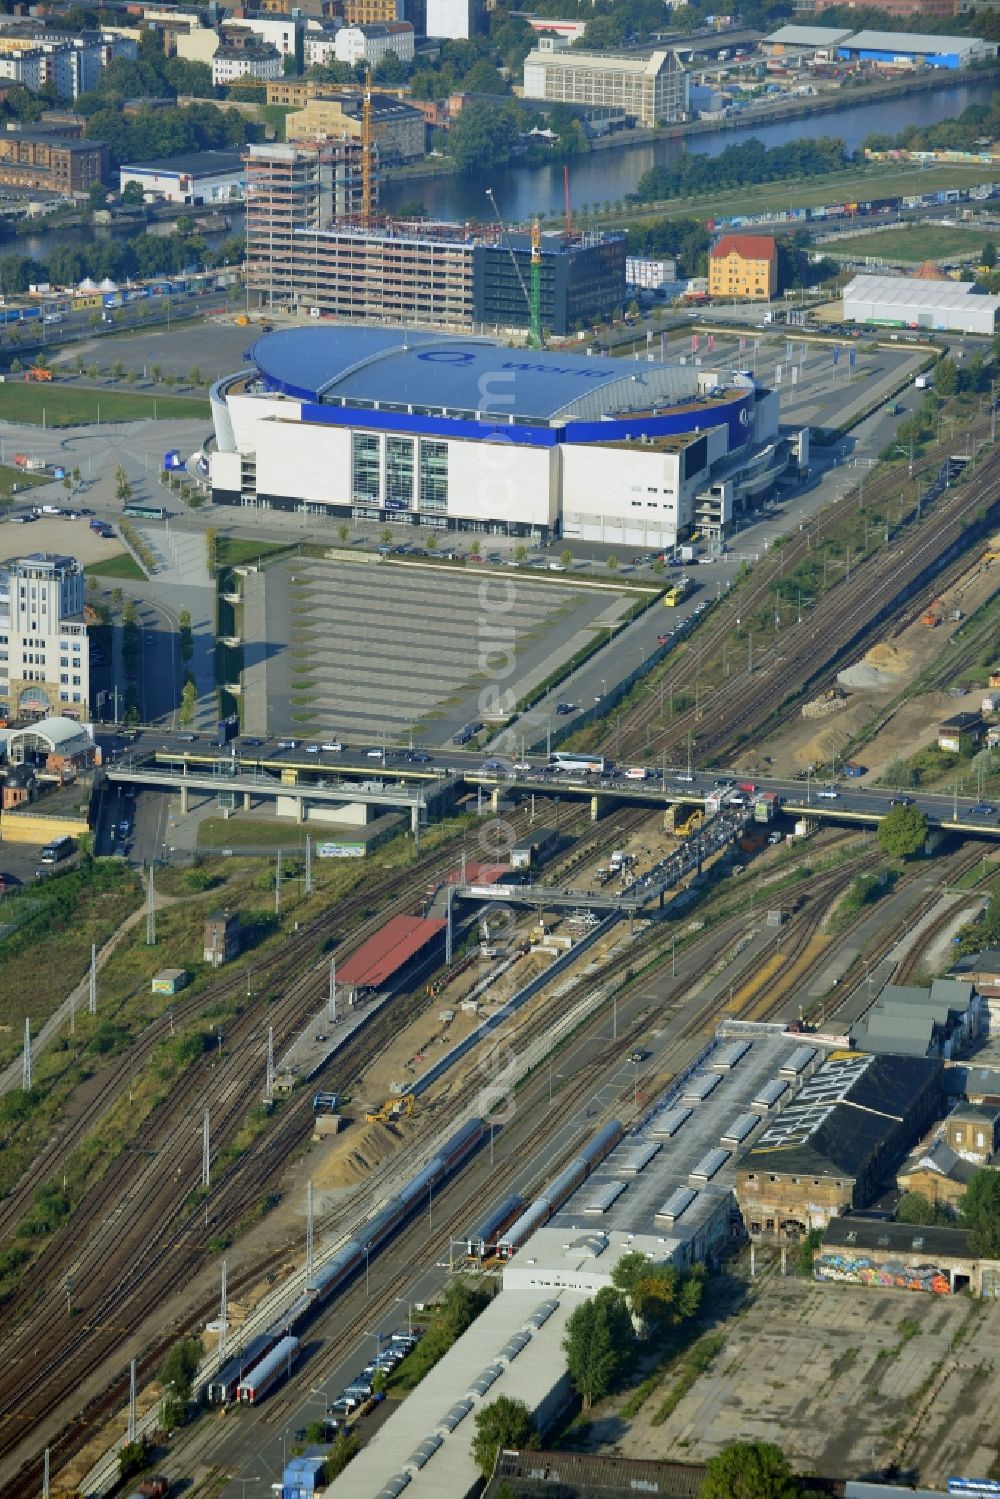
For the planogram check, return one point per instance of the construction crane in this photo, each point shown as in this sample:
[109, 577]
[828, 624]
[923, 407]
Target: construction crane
[366, 152]
[533, 301]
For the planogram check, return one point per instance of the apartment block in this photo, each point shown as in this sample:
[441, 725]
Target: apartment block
[652, 89]
[398, 130]
[44, 646]
[31, 158]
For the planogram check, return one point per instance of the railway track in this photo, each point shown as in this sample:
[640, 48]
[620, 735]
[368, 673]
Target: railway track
[582, 1082]
[746, 703]
[126, 1262]
[642, 730]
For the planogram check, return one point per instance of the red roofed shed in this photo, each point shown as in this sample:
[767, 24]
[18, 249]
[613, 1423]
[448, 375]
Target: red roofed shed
[384, 954]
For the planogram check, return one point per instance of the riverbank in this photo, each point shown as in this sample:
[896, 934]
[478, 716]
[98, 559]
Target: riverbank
[764, 114]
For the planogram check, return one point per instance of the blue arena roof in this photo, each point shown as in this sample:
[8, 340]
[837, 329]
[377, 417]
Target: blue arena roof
[434, 374]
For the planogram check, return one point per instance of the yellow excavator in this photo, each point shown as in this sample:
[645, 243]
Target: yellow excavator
[393, 1108]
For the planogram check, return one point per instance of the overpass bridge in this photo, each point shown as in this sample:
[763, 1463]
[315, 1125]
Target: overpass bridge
[232, 781]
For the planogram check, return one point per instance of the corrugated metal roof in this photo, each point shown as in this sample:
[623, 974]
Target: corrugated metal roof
[386, 952]
[908, 41]
[912, 292]
[808, 36]
[698, 1089]
[666, 1125]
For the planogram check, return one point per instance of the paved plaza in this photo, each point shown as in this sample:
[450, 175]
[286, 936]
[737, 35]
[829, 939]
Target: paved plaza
[356, 649]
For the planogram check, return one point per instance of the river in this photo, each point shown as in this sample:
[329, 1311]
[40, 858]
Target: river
[602, 176]
[608, 175]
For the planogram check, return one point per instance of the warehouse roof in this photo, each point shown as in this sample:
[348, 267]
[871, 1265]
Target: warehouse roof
[841, 1116]
[907, 41]
[198, 164]
[432, 374]
[917, 294]
[514, 1349]
[902, 1238]
[386, 952]
[808, 36]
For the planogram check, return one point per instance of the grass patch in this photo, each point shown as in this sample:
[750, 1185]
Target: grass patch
[878, 180]
[921, 242]
[243, 832]
[11, 476]
[119, 566]
[235, 551]
[79, 408]
[693, 1367]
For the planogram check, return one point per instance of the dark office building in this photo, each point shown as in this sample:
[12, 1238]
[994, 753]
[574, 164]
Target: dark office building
[582, 280]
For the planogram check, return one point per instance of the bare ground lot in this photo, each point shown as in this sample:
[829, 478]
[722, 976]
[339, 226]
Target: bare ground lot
[871, 682]
[846, 1379]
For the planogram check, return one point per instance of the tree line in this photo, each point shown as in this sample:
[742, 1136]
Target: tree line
[143, 256]
[741, 165]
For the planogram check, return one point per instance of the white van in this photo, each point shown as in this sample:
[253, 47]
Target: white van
[830, 794]
[636, 773]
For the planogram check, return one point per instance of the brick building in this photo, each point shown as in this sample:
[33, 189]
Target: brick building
[33, 158]
[837, 1143]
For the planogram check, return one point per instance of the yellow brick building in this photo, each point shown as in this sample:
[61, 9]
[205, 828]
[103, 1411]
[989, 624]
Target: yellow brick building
[743, 267]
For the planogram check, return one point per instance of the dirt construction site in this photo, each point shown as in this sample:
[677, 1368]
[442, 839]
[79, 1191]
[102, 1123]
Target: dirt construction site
[876, 687]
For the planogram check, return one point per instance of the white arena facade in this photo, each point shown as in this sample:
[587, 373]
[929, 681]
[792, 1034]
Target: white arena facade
[462, 434]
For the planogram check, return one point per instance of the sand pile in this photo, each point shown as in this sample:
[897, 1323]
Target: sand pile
[884, 666]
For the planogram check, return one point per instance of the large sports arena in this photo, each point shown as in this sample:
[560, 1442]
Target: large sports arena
[461, 433]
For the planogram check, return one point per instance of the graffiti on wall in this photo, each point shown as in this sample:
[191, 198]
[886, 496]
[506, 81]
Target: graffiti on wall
[860, 1270]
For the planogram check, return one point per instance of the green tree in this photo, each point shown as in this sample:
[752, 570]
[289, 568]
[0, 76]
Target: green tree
[903, 832]
[189, 702]
[612, 561]
[659, 1293]
[132, 194]
[484, 137]
[599, 1345]
[946, 377]
[385, 535]
[180, 1366]
[566, 557]
[97, 195]
[343, 531]
[460, 1306]
[915, 1207]
[981, 1213]
[16, 366]
[118, 369]
[131, 1459]
[748, 1470]
[520, 552]
[156, 370]
[194, 375]
[504, 1422]
[432, 542]
[989, 255]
